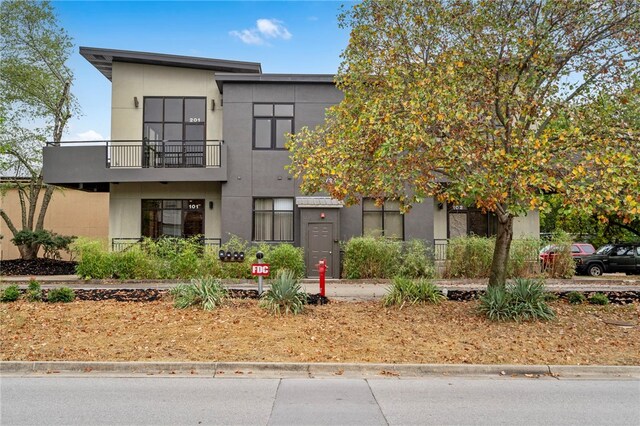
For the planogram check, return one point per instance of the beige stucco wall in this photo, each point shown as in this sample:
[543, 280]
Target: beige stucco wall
[526, 226]
[139, 80]
[125, 206]
[70, 212]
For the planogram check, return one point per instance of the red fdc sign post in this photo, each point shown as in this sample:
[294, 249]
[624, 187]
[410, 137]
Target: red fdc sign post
[260, 269]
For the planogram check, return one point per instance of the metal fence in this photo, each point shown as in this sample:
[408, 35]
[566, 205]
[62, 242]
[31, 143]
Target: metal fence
[123, 244]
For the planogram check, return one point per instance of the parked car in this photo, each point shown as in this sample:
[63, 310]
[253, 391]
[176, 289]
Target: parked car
[578, 251]
[623, 257]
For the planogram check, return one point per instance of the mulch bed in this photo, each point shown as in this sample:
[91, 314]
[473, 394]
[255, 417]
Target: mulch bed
[451, 332]
[37, 267]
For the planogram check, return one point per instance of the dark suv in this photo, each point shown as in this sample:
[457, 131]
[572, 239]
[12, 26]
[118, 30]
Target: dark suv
[623, 257]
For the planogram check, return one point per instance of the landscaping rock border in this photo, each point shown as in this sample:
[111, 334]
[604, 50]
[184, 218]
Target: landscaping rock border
[151, 294]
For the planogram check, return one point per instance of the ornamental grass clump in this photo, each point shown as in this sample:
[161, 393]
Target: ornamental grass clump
[405, 290]
[285, 296]
[523, 300]
[207, 293]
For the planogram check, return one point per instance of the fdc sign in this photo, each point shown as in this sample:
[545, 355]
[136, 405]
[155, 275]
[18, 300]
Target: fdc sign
[260, 269]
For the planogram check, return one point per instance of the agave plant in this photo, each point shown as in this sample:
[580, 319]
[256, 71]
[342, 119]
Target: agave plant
[525, 299]
[207, 292]
[285, 296]
[405, 290]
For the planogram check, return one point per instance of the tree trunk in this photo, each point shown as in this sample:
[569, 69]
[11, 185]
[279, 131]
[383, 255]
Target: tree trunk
[29, 251]
[498, 274]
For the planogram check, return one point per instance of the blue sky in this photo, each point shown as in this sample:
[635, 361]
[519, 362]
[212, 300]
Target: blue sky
[285, 37]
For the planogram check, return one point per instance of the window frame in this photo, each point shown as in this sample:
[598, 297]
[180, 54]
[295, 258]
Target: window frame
[272, 211]
[182, 210]
[491, 220]
[274, 124]
[382, 212]
[183, 122]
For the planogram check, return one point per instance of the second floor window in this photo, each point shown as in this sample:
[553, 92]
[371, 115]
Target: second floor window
[174, 131]
[385, 220]
[271, 122]
[174, 119]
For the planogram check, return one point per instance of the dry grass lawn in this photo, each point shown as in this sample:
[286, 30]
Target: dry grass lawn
[339, 332]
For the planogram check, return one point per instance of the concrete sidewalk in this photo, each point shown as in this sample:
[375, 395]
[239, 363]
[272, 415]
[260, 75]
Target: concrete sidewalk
[342, 289]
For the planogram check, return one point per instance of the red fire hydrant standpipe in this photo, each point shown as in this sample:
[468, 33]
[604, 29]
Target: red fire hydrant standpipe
[322, 269]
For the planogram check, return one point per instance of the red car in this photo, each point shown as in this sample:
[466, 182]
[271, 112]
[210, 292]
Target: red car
[578, 251]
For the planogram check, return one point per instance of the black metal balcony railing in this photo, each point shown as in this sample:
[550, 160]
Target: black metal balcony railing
[152, 154]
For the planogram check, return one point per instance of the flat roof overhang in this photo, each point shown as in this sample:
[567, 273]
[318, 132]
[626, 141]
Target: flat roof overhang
[103, 60]
[222, 78]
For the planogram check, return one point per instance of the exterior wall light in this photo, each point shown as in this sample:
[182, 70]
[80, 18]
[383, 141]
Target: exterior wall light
[135, 101]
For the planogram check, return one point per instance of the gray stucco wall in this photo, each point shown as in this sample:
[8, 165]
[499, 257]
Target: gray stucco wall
[261, 173]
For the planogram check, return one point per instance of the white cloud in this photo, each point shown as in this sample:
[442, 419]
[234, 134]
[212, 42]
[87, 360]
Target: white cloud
[264, 29]
[248, 36]
[272, 28]
[90, 135]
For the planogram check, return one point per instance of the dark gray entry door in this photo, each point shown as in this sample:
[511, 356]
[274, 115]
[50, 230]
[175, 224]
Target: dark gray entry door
[319, 246]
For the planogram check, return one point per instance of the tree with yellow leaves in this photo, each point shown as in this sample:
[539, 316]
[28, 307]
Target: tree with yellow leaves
[485, 103]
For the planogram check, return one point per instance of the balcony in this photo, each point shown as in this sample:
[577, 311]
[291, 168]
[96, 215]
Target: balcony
[162, 154]
[93, 164]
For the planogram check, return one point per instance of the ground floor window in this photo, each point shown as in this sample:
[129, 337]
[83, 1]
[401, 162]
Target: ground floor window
[464, 221]
[174, 218]
[385, 220]
[273, 219]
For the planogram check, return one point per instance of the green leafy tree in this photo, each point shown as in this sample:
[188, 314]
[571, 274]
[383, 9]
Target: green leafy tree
[461, 100]
[35, 106]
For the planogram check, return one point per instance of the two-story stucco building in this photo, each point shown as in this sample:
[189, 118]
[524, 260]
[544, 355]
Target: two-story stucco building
[197, 148]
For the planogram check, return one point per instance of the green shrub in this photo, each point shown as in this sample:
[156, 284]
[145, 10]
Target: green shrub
[405, 290]
[285, 295]
[286, 256]
[371, 257]
[417, 260]
[208, 293]
[10, 294]
[51, 242]
[522, 300]
[240, 270]
[61, 295]
[523, 257]
[94, 259]
[576, 298]
[599, 299]
[34, 291]
[469, 257]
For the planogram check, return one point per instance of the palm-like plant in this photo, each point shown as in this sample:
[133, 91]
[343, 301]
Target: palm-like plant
[207, 292]
[285, 296]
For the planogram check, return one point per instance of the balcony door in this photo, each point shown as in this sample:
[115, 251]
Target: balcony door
[174, 131]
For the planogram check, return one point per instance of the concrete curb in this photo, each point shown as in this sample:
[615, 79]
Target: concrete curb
[238, 369]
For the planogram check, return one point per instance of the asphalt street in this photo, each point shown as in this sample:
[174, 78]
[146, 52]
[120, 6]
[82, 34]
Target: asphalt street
[57, 400]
